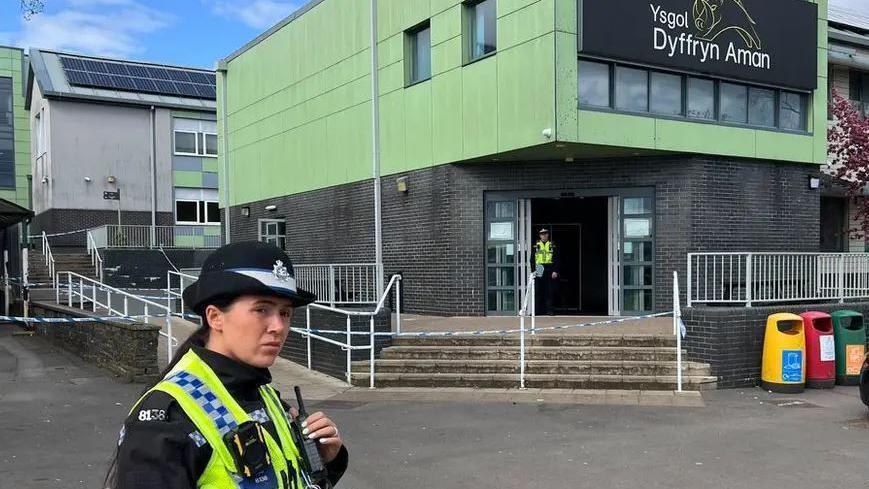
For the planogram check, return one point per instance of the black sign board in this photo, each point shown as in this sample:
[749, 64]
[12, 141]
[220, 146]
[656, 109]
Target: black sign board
[112, 195]
[773, 42]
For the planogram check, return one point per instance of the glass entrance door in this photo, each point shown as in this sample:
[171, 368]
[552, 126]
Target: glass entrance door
[501, 257]
[637, 260]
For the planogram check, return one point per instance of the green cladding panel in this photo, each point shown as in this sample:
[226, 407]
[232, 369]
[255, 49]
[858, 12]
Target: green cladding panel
[299, 100]
[12, 63]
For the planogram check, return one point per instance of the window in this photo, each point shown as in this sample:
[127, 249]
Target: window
[701, 98]
[195, 138]
[734, 103]
[196, 211]
[761, 107]
[632, 89]
[186, 143]
[273, 231]
[792, 111]
[679, 96]
[594, 84]
[209, 142]
[7, 135]
[186, 212]
[666, 94]
[419, 47]
[481, 28]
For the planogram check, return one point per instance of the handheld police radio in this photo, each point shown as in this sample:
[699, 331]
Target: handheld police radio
[312, 464]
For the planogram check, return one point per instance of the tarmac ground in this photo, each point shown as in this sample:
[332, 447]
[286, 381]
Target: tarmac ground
[60, 419]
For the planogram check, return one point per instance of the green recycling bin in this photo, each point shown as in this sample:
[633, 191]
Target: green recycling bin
[850, 337]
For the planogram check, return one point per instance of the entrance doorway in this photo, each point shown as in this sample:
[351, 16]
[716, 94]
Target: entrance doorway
[578, 229]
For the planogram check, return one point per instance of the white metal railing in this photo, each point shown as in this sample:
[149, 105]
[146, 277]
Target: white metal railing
[748, 278]
[527, 302]
[347, 345]
[134, 236]
[173, 294]
[94, 252]
[346, 283]
[49, 259]
[89, 290]
[677, 330]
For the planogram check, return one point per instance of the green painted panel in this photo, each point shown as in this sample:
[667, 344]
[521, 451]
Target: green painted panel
[480, 108]
[526, 98]
[209, 164]
[392, 77]
[446, 24]
[446, 56]
[616, 129]
[438, 6]
[10, 66]
[525, 24]
[565, 16]
[785, 147]
[392, 133]
[696, 137]
[418, 125]
[390, 50]
[181, 178]
[447, 117]
[506, 7]
[566, 87]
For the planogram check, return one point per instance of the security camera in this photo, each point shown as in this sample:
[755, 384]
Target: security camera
[547, 133]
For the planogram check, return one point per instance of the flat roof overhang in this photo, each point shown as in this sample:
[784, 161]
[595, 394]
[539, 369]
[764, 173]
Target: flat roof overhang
[11, 214]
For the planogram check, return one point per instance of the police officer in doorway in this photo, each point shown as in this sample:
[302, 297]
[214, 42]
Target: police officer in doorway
[546, 264]
[214, 420]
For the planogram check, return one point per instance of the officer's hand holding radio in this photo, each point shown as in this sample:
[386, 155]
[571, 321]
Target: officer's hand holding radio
[322, 429]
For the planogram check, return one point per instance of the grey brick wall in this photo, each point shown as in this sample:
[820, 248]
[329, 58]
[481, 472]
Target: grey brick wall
[65, 220]
[730, 339]
[434, 233]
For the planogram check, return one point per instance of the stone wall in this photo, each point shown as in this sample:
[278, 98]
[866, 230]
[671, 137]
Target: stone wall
[129, 350]
[730, 339]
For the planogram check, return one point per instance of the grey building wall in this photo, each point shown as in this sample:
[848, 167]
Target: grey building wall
[434, 233]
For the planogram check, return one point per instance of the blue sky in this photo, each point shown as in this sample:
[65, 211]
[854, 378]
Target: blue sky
[183, 32]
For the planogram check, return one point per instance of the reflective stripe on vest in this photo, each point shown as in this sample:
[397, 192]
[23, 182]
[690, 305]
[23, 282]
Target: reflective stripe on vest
[208, 404]
[543, 253]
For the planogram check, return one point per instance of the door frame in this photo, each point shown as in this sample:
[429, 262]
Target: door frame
[619, 193]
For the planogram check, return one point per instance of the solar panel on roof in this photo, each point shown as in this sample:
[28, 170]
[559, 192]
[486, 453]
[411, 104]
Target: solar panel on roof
[117, 69]
[78, 77]
[179, 75]
[139, 78]
[94, 66]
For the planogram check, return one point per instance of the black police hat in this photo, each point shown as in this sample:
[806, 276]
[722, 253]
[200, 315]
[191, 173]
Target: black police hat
[245, 268]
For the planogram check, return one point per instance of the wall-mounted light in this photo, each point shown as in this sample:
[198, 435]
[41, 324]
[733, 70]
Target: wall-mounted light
[44, 180]
[87, 179]
[245, 211]
[111, 179]
[401, 184]
[814, 182]
[271, 207]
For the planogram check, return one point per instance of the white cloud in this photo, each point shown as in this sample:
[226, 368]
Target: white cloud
[259, 14]
[99, 27]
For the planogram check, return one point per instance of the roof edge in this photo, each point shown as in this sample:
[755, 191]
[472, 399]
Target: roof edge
[280, 25]
[120, 60]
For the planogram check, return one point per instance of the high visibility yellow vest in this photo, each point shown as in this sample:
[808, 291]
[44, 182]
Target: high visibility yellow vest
[543, 253]
[207, 403]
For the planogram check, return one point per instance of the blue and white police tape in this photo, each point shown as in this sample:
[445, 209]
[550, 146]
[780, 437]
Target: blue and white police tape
[501, 332]
[101, 319]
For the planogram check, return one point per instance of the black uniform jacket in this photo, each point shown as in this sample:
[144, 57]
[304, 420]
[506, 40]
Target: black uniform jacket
[156, 450]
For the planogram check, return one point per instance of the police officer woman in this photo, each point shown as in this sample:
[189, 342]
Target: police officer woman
[214, 421]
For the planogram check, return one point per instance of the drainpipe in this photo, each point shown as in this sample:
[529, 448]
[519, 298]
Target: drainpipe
[375, 134]
[222, 68]
[153, 131]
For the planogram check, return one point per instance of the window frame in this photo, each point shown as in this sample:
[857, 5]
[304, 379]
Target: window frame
[205, 144]
[281, 238]
[11, 170]
[175, 142]
[201, 213]
[411, 44]
[187, 223]
[805, 99]
[470, 14]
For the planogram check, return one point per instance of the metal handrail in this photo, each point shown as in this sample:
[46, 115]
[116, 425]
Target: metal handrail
[170, 292]
[529, 298]
[97, 286]
[145, 236]
[394, 281]
[94, 252]
[340, 283]
[49, 259]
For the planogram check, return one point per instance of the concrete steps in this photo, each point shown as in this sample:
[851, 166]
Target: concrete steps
[595, 361]
[547, 367]
[79, 263]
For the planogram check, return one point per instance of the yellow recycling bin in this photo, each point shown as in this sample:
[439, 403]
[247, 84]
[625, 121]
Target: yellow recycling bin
[784, 354]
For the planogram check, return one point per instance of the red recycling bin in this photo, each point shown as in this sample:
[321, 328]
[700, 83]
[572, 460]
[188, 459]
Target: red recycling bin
[820, 350]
